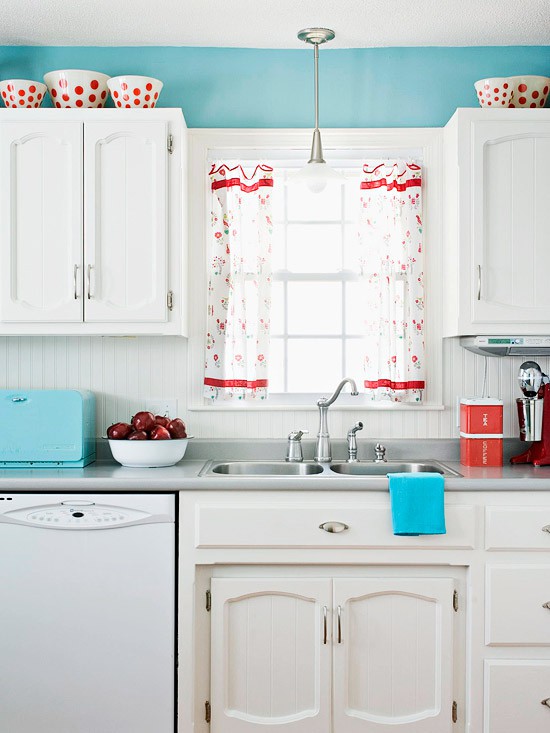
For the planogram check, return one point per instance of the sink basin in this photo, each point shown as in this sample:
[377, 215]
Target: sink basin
[262, 468]
[381, 469]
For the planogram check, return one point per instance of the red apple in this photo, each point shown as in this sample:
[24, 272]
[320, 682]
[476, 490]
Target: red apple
[138, 435]
[176, 428]
[119, 431]
[143, 421]
[162, 420]
[159, 433]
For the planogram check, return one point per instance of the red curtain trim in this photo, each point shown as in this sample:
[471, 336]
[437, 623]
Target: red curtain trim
[409, 166]
[392, 184]
[209, 382]
[230, 182]
[224, 168]
[394, 385]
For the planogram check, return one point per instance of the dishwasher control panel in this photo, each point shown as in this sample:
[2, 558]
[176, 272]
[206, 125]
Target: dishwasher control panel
[76, 515]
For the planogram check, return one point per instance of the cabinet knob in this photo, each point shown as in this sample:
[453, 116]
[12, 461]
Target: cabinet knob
[546, 528]
[546, 605]
[546, 702]
[334, 526]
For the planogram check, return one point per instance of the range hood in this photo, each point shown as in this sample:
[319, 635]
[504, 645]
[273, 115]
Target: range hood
[507, 345]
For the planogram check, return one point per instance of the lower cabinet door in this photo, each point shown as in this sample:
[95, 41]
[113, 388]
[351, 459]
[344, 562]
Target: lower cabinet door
[393, 655]
[270, 655]
[517, 696]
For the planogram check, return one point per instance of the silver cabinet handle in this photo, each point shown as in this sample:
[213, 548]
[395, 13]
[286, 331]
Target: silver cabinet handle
[334, 526]
[546, 528]
[89, 280]
[546, 702]
[75, 281]
[479, 282]
[325, 627]
[339, 624]
[546, 605]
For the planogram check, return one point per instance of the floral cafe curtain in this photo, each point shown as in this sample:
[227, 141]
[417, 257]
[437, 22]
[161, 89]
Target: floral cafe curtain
[239, 282]
[391, 261]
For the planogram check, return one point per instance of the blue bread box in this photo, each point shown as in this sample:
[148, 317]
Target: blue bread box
[46, 428]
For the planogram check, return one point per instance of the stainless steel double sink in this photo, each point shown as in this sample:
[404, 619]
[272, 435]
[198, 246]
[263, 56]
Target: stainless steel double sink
[364, 469]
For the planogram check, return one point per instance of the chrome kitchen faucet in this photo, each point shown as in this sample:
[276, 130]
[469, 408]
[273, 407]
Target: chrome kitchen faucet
[322, 448]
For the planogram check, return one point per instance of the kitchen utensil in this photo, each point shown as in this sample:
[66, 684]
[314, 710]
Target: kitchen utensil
[530, 91]
[534, 414]
[22, 93]
[77, 88]
[134, 91]
[148, 453]
[494, 92]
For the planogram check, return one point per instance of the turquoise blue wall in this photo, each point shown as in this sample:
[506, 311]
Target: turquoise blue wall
[229, 87]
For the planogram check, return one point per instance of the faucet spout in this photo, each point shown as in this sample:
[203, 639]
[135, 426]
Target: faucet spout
[323, 450]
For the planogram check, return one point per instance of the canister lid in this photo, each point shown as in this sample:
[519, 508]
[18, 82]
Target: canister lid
[480, 401]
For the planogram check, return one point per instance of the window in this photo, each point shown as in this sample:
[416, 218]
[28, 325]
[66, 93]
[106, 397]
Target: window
[315, 328]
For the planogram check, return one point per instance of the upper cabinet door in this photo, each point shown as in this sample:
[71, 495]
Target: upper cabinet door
[270, 655]
[41, 215]
[126, 210]
[510, 230]
[393, 655]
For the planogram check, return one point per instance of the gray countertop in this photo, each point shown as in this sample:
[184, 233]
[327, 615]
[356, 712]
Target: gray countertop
[106, 475]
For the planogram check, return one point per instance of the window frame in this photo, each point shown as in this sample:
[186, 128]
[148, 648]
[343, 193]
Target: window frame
[203, 143]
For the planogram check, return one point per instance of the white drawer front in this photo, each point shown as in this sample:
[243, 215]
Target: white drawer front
[514, 690]
[515, 598]
[516, 528]
[297, 525]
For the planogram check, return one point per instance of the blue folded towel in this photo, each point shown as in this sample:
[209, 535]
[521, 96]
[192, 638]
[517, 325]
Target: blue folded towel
[417, 503]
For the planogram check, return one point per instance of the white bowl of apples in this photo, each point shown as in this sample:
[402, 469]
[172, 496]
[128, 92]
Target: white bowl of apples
[148, 441]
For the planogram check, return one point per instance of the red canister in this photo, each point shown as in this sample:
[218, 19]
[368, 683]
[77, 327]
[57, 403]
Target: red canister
[481, 431]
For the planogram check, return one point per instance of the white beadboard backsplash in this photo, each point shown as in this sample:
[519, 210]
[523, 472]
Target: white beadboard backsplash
[125, 372]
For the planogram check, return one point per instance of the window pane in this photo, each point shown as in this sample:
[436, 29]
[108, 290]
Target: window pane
[314, 308]
[303, 205]
[355, 352]
[277, 309]
[355, 307]
[314, 365]
[351, 247]
[276, 365]
[352, 197]
[314, 247]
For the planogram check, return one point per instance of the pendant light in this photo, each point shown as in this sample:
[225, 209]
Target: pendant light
[316, 173]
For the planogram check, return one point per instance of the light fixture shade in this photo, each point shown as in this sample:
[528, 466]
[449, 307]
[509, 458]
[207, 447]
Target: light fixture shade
[316, 176]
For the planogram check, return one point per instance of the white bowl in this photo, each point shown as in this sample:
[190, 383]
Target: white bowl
[77, 88]
[148, 453]
[133, 92]
[22, 93]
[497, 91]
[530, 91]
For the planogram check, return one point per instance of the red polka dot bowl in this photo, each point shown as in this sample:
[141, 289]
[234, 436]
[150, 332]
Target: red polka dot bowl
[132, 92]
[496, 92]
[530, 91]
[77, 88]
[22, 93]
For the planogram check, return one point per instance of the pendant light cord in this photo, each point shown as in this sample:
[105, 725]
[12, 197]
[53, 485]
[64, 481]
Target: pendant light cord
[316, 65]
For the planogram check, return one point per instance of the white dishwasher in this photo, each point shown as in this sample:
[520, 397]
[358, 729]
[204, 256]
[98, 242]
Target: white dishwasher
[87, 613]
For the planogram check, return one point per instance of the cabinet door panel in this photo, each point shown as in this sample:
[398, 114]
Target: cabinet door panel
[514, 690]
[393, 665]
[270, 666]
[511, 190]
[41, 214]
[125, 236]
[515, 605]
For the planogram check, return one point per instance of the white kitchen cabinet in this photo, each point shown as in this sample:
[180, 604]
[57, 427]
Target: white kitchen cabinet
[496, 231]
[393, 655]
[93, 202]
[381, 649]
[41, 214]
[514, 695]
[270, 655]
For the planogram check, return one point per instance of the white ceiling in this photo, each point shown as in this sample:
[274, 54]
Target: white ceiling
[274, 23]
